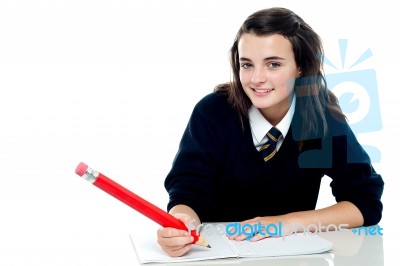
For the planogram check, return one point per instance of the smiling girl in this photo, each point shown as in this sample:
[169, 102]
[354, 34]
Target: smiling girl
[256, 148]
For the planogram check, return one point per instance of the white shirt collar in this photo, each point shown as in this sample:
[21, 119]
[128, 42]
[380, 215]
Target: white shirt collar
[260, 126]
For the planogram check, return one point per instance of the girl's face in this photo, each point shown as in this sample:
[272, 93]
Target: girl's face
[267, 73]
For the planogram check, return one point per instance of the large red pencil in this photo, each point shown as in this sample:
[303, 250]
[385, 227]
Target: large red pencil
[131, 199]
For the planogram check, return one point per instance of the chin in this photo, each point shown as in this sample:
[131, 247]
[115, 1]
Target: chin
[262, 104]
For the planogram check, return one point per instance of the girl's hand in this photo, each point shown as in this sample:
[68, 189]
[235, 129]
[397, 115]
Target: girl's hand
[266, 227]
[173, 241]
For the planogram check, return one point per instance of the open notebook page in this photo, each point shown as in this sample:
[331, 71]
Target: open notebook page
[148, 250]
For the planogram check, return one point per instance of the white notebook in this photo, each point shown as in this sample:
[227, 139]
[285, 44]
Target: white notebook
[148, 251]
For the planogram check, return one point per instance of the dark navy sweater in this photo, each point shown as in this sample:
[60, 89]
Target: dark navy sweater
[220, 174]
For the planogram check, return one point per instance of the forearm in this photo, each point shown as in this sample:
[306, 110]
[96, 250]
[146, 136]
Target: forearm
[180, 208]
[340, 213]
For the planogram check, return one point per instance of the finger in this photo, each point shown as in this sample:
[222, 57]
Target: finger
[175, 242]
[170, 237]
[177, 252]
[243, 237]
[230, 235]
[258, 237]
[171, 232]
[181, 247]
[247, 234]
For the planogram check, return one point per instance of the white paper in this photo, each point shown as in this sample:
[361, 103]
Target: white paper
[148, 250]
[296, 244]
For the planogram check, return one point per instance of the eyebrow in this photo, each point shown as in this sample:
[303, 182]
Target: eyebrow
[265, 59]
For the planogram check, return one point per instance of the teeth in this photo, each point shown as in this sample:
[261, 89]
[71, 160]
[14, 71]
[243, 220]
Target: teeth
[263, 91]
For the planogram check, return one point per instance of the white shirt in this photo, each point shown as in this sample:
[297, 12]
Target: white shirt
[260, 126]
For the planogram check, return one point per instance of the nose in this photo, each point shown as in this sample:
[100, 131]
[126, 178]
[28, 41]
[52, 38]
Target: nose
[259, 75]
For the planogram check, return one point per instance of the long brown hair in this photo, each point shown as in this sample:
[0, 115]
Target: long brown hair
[311, 90]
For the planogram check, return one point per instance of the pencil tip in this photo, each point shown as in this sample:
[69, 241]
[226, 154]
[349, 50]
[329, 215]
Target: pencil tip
[202, 242]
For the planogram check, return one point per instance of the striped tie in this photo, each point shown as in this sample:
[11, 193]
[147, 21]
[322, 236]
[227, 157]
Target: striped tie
[268, 150]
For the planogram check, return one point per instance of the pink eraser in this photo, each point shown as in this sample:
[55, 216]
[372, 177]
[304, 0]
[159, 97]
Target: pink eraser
[81, 169]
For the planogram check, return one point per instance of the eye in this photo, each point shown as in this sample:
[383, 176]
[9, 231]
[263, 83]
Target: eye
[245, 65]
[273, 65]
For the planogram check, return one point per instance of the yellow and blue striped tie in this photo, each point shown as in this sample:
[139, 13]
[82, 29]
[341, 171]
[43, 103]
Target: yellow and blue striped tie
[268, 150]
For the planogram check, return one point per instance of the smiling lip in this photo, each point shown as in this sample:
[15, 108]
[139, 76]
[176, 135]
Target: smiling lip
[261, 92]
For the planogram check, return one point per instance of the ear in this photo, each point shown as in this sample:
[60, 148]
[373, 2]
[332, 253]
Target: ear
[299, 73]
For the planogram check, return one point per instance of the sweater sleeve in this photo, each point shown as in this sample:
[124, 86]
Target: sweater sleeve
[192, 177]
[353, 176]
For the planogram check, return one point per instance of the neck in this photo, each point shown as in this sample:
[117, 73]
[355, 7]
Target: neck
[275, 114]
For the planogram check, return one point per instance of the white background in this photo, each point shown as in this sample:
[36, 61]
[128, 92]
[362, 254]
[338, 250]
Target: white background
[113, 83]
